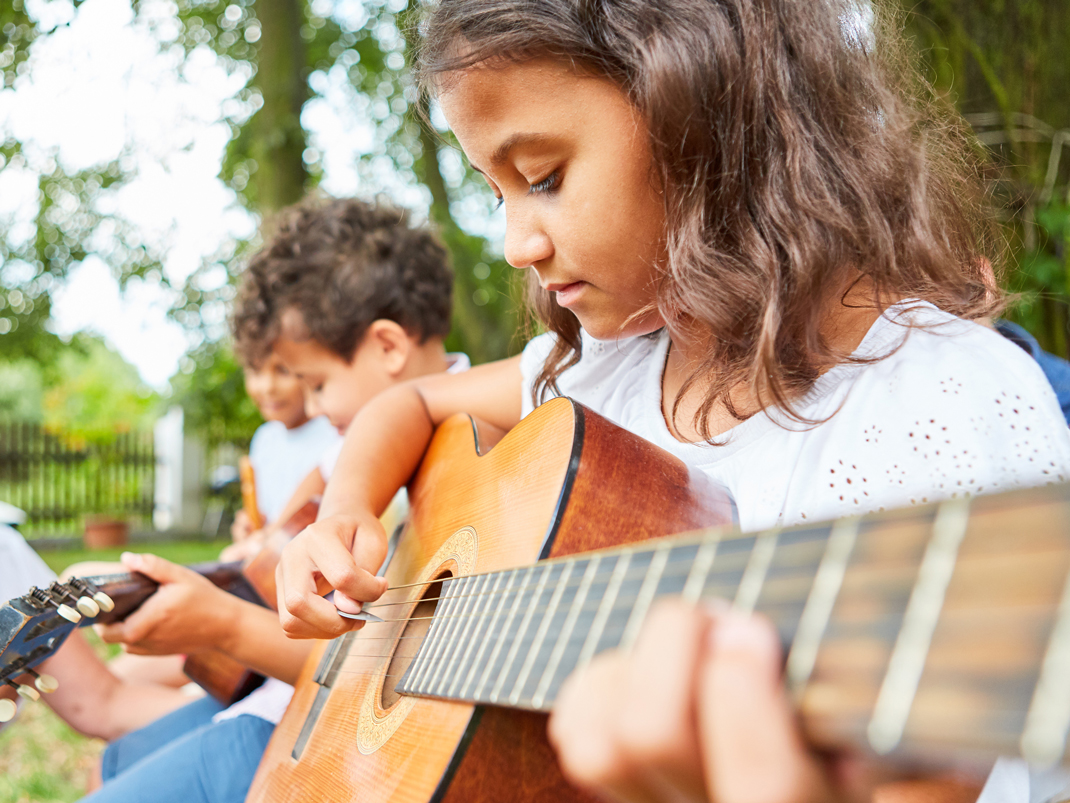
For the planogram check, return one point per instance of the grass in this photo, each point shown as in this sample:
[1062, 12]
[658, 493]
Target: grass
[41, 759]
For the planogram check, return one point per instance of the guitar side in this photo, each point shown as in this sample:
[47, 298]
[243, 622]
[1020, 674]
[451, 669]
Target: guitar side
[563, 481]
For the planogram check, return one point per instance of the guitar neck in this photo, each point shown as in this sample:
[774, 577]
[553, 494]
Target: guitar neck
[939, 629]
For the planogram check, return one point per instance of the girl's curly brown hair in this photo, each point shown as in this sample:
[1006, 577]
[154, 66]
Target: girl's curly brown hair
[794, 143]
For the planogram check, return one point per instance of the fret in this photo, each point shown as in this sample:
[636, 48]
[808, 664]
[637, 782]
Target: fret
[645, 596]
[605, 608]
[439, 625]
[525, 622]
[478, 693]
[819, 603]
[1044, 736]
[466, 621]
[896, 696]
[566, 632]
[700, 569]
[750, 586]
[540, 635]
[501, 597]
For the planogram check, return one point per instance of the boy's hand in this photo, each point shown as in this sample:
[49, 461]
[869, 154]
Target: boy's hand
[340, 553]
[242, 527]
[186, 614]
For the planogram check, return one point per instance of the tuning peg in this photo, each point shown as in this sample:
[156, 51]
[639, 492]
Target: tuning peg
[28, 692]
[106, 603]
[45, 683]
[87, 607]
[8, 709]
[69, 613]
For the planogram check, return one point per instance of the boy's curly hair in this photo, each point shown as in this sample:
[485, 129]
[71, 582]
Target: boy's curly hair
[342, 264]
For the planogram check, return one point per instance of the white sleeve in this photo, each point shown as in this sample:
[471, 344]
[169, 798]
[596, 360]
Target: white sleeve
[20, 566]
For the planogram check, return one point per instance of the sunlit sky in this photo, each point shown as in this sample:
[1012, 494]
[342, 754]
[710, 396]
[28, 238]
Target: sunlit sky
[103, 82]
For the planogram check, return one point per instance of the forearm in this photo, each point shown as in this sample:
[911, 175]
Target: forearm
[388, 438]
[397, 424]
[256, 641]
[312, 485]
[93, 701]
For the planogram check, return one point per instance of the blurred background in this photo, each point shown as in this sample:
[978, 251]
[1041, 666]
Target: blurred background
[143, 143]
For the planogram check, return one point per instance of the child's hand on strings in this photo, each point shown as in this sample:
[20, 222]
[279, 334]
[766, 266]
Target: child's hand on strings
[340, 553]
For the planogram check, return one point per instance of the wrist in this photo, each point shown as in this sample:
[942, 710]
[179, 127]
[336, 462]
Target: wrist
[227, 623]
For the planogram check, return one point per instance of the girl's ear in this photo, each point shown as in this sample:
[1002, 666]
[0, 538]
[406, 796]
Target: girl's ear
[392, 345]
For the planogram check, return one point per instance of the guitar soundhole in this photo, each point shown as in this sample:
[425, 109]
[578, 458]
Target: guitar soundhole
[408, 644]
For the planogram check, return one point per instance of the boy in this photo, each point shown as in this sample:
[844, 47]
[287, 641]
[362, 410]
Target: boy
[354, 300]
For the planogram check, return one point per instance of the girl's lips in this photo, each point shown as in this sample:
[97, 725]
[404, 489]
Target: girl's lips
[568, 294]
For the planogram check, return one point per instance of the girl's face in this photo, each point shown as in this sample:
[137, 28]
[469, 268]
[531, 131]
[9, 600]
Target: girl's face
[568, 155]
[276, 391]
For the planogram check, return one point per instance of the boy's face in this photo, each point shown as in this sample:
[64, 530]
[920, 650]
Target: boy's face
[276, 391]
[335, 387]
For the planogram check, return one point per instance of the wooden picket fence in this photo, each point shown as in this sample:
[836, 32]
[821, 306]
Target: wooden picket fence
[58, 480]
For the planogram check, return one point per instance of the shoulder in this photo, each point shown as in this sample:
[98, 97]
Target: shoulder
[266, 434]
[605, 368]
[23, 567]
[954, 409]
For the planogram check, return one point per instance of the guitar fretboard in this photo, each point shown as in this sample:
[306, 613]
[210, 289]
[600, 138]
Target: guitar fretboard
[936, 625]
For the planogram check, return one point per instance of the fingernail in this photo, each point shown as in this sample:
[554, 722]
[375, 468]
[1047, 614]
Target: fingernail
[735, 631]
[130, 558]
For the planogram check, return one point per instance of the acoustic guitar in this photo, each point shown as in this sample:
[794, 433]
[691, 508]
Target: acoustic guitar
[921, 634]
[34, 626]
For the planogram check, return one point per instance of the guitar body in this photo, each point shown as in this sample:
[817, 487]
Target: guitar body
[563, 481]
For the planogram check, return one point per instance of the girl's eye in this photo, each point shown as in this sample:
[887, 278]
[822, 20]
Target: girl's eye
[548, 184]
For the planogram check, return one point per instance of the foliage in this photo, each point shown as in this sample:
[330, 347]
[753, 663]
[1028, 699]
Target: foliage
[211, 390]
[96, 395]
[1005, 67]
[21, 391]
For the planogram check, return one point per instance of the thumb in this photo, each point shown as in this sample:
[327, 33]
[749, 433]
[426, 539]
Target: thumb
[155, 567]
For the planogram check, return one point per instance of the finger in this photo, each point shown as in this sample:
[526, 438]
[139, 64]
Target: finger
[303, 613]
[752, 747]
[110, 634]
[155, 567]
[581, 726]
[341, 570]
[657, 727]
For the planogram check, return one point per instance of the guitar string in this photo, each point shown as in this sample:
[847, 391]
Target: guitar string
[769, 607]
[724, 573]
[629, 575]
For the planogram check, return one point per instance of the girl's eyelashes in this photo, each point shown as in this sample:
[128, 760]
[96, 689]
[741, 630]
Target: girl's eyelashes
[548, 184]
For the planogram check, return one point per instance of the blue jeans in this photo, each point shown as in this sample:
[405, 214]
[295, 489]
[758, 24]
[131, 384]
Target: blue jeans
[185, 758]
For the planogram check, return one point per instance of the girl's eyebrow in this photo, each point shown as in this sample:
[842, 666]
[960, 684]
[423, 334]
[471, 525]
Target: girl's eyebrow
[501, 153]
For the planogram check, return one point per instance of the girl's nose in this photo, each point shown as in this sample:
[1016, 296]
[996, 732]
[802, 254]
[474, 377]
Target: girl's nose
[526, 242]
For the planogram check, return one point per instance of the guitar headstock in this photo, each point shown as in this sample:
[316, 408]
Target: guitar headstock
[35, 625]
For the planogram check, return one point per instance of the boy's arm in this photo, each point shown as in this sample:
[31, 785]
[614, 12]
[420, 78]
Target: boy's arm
[95, 702]
[311, 486]
[189, 614]
[383, 447]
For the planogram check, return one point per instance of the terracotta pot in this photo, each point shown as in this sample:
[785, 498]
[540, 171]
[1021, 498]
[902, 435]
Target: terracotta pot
[104, 533]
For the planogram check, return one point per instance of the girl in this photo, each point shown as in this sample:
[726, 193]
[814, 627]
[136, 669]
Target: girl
[750, 243]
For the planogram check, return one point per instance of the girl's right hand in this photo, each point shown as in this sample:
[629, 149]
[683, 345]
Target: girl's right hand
[340, 553]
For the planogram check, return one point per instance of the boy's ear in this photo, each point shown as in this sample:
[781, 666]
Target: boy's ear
[392, 345]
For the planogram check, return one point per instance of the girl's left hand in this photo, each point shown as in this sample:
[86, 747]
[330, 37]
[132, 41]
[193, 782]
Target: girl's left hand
[186, 614]
[694, 712]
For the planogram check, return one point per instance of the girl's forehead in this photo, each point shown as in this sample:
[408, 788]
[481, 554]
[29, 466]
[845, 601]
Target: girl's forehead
[486, 105]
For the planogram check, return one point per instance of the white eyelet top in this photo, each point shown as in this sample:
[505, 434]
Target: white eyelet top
[952, 408]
